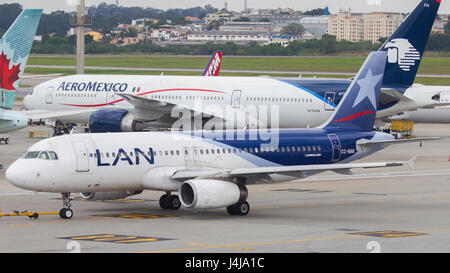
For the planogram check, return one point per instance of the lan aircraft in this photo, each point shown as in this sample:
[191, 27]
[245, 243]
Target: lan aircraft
[130, 103]
[15, 48]
[209, 169]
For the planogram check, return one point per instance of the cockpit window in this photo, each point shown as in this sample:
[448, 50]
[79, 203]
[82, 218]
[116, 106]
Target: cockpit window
[53, 155]
[31, 155]
[44, 155]
[41, 155]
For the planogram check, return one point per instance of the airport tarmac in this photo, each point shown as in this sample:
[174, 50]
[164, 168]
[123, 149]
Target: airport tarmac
[386, 210]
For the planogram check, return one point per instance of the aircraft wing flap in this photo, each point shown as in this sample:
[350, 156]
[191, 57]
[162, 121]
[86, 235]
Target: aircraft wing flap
[145, 104]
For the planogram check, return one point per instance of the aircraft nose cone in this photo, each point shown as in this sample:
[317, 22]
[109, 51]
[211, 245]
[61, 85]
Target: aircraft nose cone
[14, 175]
[26, 102]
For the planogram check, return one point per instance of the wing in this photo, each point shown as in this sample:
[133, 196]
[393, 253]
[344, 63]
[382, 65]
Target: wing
[144, 105]
[296, 171]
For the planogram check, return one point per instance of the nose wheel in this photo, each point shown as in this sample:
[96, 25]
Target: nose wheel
[66, 212]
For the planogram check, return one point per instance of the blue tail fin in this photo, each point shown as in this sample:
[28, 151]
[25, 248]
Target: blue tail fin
[406, 46]
[213, 67]
[15, 47]
[358, 107]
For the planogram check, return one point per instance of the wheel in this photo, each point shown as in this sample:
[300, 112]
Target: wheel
[241, 209]
[230, 210]
[6, 141]
[174, 202]
[66, 213]
[162, 201]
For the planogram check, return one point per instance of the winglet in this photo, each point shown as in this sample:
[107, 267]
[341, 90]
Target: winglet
[411, 162]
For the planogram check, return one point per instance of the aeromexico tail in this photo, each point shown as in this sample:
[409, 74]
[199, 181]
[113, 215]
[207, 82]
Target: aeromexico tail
[15, 48]
[208, 169]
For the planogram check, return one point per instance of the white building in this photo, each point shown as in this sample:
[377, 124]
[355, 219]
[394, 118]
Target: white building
[230, 36]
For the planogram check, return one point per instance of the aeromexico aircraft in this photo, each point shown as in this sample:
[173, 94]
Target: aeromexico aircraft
[209, 169]
[15, 48]
[130, 103]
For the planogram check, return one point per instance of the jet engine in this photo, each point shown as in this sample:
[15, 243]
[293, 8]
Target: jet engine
[209, 193]
[111, 195]
[113, 121]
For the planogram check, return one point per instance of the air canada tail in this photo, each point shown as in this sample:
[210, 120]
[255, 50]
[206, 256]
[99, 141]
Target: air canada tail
[213, 68]
[358, 107]
[406, 46]
[15, 47]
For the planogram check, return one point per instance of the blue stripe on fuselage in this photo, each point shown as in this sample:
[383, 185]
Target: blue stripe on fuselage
[292, 138]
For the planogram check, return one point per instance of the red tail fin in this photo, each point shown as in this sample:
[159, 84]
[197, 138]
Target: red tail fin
[213, 67]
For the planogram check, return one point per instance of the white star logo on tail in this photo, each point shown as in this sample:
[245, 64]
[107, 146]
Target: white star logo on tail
[367, 88]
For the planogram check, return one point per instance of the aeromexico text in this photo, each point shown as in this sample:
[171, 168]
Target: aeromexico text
[93, 86]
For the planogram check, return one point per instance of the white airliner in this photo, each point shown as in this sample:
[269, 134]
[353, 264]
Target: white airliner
[209, 169]
[111, 103]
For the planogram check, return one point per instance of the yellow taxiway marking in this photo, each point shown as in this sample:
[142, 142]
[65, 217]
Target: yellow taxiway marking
[376, 201]
[255, 244]
[340, 203]
[408, 199]
[244, 246]
[441, 197]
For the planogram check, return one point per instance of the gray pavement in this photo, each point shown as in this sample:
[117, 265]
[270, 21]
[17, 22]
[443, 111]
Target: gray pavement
[390, 210]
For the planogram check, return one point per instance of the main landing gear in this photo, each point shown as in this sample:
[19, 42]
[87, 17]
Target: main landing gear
[168, 201]
[66, 212]
[241, 208]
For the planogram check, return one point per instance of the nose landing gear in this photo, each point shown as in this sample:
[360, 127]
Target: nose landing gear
[66, 212]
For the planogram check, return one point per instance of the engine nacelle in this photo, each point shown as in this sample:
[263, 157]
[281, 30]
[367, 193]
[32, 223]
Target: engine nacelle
[209, 193]
[113, 121]
[111, 195]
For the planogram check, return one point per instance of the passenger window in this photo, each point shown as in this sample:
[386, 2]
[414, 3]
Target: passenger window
[319, 148]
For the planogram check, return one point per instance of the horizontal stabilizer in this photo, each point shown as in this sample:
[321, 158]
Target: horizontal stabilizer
[365, 142]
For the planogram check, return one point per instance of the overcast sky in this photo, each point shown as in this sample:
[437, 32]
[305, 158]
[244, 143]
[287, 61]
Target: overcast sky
[238, 5]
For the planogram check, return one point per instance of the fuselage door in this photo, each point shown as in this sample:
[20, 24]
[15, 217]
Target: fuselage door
[335, 146]
[236, 98]
[110, 96]
[329, 101]
[191, 156]
[49, 95]
[81, 155]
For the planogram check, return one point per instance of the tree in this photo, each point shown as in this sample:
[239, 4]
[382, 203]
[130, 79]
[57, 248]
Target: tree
[293, 29]
[447, 28]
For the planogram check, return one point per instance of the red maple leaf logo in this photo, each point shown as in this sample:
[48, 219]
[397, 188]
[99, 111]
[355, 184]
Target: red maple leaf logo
[8, 76]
